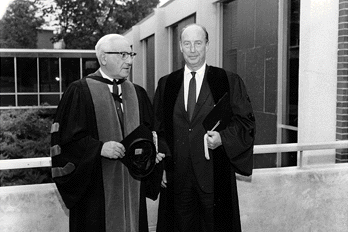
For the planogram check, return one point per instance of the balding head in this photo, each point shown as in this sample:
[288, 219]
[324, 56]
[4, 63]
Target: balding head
[195, 25]
[109, 51]
[109, 42]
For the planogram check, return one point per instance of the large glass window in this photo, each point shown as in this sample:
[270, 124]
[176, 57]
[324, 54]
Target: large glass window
[49, 74]
[293, 64]
[178, 60]
[89, 65]
[70, 71]
[7, 75]
[7, 100]
[290, 96]
[250, 49]
[50, 99]
[28, 100]
[289, 158]
[31, 78]
[27, 74]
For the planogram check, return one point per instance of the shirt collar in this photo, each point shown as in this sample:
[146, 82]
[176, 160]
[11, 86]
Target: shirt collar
[200, 71]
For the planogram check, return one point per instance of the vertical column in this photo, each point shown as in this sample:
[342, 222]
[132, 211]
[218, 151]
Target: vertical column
[342, 81]
[138, 62]
[162, 49]
[318, 77]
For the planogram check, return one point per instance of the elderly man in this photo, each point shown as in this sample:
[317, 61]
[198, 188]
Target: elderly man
[95, 114]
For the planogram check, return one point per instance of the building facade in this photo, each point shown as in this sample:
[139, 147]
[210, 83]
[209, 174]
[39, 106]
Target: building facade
[44, 38]
[291, 55]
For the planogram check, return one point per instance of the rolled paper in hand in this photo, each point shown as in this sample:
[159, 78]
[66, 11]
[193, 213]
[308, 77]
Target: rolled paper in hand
[155, 140]
[206, 151]
[216, 125]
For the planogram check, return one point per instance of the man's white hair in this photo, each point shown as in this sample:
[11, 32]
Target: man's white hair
[104, 43]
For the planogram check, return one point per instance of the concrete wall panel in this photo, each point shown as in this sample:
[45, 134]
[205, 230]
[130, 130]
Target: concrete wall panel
[279, 199]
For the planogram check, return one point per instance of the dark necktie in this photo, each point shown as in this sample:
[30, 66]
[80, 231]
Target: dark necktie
[118, 101]
[191, 101]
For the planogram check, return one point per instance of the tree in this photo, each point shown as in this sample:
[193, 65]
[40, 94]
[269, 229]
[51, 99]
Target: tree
[83, 22]
[19, 25]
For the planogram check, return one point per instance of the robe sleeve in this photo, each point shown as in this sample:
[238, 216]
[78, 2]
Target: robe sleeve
[159, 127]
[238, 137]
[75, 148]
[152, 182]
[145, 107]
[159, 117]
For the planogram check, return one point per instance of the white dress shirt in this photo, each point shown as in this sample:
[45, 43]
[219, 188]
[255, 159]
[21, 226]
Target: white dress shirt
[199, 80]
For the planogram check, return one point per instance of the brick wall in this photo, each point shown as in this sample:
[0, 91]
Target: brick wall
[342, 81]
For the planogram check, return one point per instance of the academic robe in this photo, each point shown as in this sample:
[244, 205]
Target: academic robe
[181, 138]
[99, 192]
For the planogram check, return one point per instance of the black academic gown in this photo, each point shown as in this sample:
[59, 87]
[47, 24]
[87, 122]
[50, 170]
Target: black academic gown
[235, 155]
[79, 160]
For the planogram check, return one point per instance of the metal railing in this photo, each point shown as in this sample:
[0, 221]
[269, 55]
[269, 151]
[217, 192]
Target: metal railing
[258, 149]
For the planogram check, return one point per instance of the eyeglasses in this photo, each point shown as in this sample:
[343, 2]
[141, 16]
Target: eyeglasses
[124, 55]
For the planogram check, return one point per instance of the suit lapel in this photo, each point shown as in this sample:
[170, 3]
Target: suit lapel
[171, 91]
[203, 94]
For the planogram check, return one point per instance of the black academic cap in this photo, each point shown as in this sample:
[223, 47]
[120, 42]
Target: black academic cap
[140, 157]
[220, 116]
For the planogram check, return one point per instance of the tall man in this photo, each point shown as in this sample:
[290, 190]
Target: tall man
[91, 121]
[205, 192]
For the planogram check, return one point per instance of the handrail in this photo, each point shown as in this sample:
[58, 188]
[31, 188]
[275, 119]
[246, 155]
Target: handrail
[258, 149]
[25, 163]
[40, 50]
[288, 147]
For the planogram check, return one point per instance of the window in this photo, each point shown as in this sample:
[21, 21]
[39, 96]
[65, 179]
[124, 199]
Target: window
[49, 74]
[27, 74]
[70, 71]
[290, 96]
[31, 78]
[250, 48]
[150, 65]
[7, 84]
[7, 100]
[89, 65]
[27, 82]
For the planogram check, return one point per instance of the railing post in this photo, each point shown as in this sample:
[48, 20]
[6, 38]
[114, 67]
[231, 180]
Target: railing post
[301, 159]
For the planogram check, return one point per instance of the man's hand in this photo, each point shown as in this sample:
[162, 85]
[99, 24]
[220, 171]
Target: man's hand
[159, 157]
[213, 139]
[113, 150]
